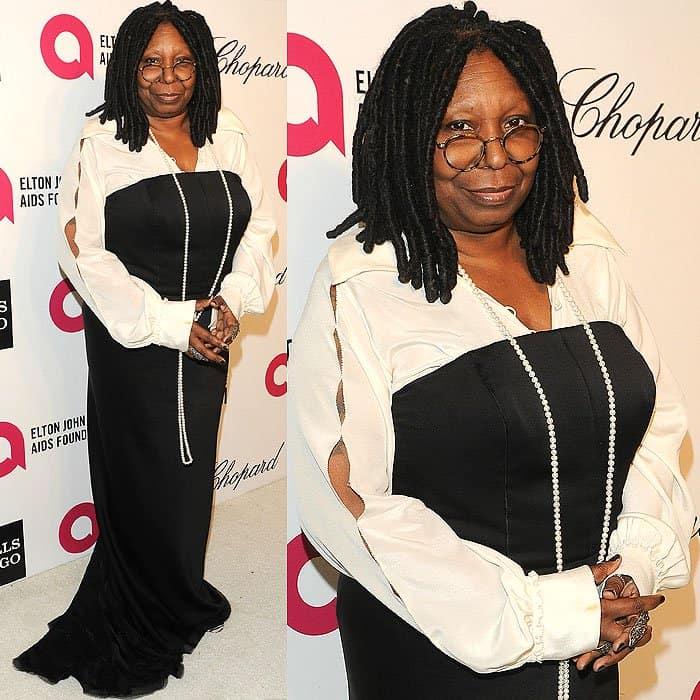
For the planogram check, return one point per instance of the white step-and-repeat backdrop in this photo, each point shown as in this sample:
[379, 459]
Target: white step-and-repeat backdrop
[52, 67]
[634, 98]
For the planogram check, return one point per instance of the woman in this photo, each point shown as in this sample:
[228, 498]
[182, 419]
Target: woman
[505, 413]
[162, 225]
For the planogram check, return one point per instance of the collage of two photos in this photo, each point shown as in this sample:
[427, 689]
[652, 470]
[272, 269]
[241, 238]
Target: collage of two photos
[347, 351]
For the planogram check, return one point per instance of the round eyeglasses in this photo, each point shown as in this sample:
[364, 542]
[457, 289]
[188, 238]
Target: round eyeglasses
[466, 151]
[182, 70]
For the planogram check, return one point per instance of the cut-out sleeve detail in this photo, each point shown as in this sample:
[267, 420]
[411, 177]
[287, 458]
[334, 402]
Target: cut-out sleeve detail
[70, 227]
[473, 603]
[658, 516]
[69, 231]
[338, 461]
[132, 311]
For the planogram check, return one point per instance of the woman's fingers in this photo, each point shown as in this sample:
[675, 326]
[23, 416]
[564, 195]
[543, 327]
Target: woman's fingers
[614, 657]
[584, 659]
[610, 659]
[619, 650]
[619, 586]
[626, 617]
[604, 569]
[220, 327]
[230, 326]
[625, 607]
[202, 304]
[619, 616]
[206, 337]
[226, 323]
[199, 339]
[624, 623]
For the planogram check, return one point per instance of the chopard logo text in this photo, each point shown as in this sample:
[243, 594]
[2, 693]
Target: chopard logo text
[598, 111]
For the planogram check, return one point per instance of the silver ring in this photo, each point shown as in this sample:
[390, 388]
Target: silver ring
[196, 354]
[604, 648]
[625, 578]
[234, 331]
[639, 628]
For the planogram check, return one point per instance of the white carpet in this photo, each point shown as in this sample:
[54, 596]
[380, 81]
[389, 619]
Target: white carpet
[245, 661]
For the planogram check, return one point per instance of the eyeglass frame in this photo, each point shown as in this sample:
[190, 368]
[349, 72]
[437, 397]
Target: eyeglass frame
[172, 68]
[442, 146]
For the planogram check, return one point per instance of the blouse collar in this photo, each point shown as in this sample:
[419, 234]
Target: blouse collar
[347, 259]
[226, 121]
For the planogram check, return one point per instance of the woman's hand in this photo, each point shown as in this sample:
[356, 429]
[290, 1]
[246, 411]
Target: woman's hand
[203, 345]
[617, 618]
[621, 607]
[227, 325]
[619, 586]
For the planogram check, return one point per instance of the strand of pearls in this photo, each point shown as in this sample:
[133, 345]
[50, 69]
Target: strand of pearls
[612, 420]
[185, 452]
[563, 689]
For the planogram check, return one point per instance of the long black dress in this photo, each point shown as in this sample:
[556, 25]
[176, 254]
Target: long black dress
[143, 601]
[481, 409]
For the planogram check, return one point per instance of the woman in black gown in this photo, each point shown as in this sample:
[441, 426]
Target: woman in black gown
[161, 227]
[505, 413]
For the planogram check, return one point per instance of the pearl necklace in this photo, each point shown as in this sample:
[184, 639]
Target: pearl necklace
[563, 680]
[185, 452]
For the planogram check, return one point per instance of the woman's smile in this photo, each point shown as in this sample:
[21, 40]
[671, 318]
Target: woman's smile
[491, 196]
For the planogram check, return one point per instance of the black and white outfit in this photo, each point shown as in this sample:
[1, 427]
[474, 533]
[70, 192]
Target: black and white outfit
[449, 587]
[153, 413]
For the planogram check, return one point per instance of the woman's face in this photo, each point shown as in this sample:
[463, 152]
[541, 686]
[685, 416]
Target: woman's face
[167, 97]
[487, 101]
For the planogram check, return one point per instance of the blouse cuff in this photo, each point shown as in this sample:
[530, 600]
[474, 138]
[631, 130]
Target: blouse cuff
[234, 301]
[637, 563]
[238, 290]
[173, 324]
[570, 613]
[651, 553]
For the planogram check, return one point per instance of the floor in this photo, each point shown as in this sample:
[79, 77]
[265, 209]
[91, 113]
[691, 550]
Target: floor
[245, 661]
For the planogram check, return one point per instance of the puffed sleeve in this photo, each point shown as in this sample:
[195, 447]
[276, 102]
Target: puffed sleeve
[248, 287]
[658, 517]
[473, 603]
[132, 311]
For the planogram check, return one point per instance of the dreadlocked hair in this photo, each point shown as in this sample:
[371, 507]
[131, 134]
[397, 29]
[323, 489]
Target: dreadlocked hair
[394, 143]
[121, 99]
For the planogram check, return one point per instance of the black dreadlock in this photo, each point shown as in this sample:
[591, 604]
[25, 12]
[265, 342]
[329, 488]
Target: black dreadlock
[392, 173]
[121, 99]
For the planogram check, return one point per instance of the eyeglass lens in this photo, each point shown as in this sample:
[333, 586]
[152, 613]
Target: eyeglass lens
[182, 71]
[520, 144]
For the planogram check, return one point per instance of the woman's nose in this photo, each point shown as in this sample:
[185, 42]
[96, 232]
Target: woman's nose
[495, 156]
[168, 74]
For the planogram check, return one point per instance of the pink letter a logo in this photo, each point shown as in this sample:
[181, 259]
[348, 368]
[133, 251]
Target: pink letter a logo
[310, 137]
[7, 210]
[72, 69]
[17, 457]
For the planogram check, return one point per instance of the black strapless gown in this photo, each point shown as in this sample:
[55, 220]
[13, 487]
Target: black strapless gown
[471, 443]
[143, 601]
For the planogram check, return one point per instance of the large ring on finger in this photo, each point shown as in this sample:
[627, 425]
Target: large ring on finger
[616, 583]
[604, 648]
[192, 351]
[639, 628]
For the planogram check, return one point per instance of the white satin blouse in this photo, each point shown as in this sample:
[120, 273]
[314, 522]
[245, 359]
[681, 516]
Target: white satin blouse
[132, 311]
[475, 604]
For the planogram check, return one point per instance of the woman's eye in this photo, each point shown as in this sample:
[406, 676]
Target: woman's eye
[460, 125]
[151, 61]
[515, 121]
